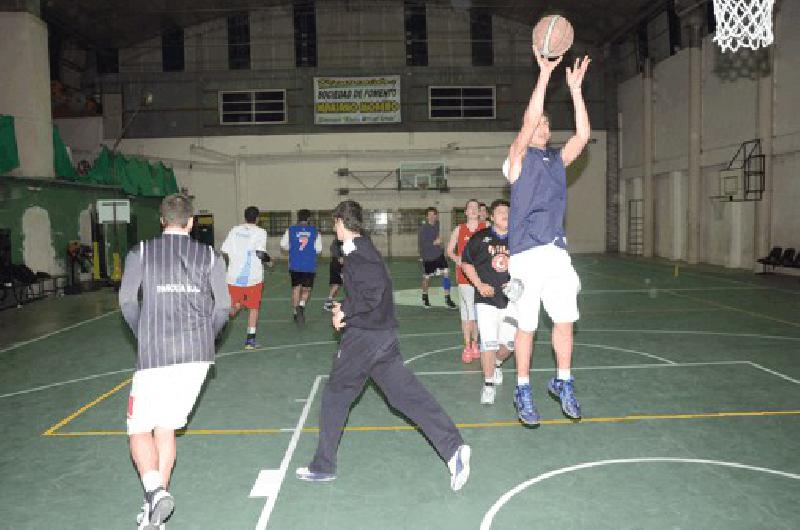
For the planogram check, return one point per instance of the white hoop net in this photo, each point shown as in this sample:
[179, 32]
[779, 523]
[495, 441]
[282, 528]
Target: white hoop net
[743, 23]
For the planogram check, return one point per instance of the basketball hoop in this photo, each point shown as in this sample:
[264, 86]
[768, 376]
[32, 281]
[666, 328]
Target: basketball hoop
[743, 23]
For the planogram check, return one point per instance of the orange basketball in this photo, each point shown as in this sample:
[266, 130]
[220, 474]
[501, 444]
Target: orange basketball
[553, 36]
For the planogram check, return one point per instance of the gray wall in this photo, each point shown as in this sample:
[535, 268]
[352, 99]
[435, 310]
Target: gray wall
[350, 41]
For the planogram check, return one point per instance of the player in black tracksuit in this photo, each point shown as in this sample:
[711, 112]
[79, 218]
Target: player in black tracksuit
[369, 348]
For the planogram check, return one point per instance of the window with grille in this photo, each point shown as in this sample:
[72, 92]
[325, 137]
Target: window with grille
[377, 221]
[323, 220]
[416, 33]
[461, 102]
[239, 42]
[409, 220]
[252, 107]
[458, 216]
[480, 30]
[172, 50]
[305, 33]
[275, 223]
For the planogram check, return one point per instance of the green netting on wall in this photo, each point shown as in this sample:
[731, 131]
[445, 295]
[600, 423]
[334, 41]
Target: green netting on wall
[135, 175]
[9, 156]
[61, 161]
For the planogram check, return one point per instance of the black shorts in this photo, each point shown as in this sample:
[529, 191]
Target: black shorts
[335, 273]
[434, 266]
[305, 279]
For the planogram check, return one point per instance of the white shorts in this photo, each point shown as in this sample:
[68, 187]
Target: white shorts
[466, 295]
[548, 277]
[497, 326]
[165, 396]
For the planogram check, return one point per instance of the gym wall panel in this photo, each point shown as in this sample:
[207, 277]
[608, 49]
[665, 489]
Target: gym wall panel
[671, 111]
[299, 171]
[272, 38]
[631, 108]
[730, 105]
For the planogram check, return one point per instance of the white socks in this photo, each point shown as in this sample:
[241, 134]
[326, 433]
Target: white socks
[563, 374]
[302, 303]
[523, 381]
[151, 480]
[251, 331]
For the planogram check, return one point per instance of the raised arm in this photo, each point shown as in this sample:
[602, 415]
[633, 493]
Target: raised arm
[533, 113]
[583, 130]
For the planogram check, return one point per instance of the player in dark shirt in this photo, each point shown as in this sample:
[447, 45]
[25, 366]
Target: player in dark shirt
[369, 348]
[485, 263]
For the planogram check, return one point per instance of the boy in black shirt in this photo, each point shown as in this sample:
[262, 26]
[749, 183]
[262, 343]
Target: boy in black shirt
[485, 262]
[369, 348]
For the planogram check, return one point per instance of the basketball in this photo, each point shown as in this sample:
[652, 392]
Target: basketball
[553, 36]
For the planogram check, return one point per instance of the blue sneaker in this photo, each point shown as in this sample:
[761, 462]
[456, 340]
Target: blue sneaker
[303, 473]
[459, 467]
[526, 408]
[564, 391]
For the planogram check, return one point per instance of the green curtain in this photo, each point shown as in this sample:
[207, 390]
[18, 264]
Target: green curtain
[135, 175]
[171, 184]
[61, 162]
[101, 172]
[9, 156]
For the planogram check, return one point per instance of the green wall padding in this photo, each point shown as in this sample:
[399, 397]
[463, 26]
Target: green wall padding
[9, 156]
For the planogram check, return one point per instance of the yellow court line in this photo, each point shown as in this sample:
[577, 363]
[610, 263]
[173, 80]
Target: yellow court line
[488, 425]
[52, 430]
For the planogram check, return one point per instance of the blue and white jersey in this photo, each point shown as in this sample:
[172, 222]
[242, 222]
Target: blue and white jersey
[303, 243]
[244, 266]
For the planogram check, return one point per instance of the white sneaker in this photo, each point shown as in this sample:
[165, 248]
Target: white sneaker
[487, 395]
[498, 376]
[459, 467]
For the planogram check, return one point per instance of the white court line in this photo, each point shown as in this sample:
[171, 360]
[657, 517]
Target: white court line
[263, 520]
[61, 383]
[421, 355]
[587, 345]
[609, 367]
[773, 372]
[488, 518]
[615, 348]
[657, 288]
[56, 332]
[486, 523]
[218, 356]
[689, 332]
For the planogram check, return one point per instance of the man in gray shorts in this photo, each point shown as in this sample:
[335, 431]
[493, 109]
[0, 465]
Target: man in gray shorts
[185, 304]
[429, 243]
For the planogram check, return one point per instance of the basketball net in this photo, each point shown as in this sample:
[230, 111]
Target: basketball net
[743, 23]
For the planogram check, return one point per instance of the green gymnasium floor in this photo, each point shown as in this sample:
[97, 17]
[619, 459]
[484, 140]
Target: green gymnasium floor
[689, 381]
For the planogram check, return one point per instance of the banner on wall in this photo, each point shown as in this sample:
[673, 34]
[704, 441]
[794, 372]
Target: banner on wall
[356, 100]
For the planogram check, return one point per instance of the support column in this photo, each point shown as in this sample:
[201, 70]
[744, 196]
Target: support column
[762, 230]
[648, 179]
[678, 216]
[25, 90]
[695, 180]
[610, 55]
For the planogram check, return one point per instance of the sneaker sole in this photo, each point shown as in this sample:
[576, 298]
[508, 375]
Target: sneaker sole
[309, 479]
[161, 512]
[464, 475]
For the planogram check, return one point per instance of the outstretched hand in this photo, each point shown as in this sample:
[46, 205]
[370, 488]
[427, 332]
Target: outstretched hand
[576, 73]
[546, 65]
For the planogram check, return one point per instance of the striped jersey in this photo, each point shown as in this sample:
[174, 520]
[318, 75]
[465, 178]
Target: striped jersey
[184, 302]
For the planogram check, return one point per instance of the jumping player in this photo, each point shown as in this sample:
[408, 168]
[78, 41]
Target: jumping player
[537, 240]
